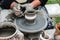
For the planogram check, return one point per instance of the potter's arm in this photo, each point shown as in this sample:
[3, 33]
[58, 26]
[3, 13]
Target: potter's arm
[36, 3]
[10, 3]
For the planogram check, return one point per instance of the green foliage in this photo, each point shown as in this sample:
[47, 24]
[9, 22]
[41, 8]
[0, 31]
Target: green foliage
[57, 19]
[53, 1]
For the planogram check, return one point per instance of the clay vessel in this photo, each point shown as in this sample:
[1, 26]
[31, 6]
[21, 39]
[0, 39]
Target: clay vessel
[8, 31]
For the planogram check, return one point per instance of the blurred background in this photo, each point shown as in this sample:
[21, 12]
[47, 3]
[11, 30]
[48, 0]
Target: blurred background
[57, 19]
[53, 1]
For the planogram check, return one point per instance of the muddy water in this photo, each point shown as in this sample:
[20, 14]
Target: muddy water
[7, 31]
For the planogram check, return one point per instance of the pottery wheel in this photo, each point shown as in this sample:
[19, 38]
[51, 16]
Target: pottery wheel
[40, 24]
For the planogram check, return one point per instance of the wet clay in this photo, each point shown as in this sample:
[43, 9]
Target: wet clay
[7, 31]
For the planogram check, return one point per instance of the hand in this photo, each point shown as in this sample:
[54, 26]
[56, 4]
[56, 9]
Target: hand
[18, 13]
[27, 7]
[17, 10]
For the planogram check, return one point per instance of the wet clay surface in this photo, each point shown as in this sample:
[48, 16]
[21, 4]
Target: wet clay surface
[7, 31]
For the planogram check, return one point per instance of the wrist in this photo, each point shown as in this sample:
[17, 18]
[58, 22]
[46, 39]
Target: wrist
[13, 4]
[35, 3]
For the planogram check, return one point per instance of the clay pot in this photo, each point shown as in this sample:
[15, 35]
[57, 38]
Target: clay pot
[29, 16]
[57, 32]
[57, 29]
[8, 31]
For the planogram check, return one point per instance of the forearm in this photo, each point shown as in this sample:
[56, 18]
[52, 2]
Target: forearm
[35, 3]
[13, 4]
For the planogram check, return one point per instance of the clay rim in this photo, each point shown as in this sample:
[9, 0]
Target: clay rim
[44, 38]
[12, 34]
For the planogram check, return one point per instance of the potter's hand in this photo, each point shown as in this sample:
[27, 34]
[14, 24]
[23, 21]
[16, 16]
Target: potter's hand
[17, 10]
[27, 7]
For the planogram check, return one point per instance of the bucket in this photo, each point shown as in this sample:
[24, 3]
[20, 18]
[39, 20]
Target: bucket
[44, 36]
[8, 31]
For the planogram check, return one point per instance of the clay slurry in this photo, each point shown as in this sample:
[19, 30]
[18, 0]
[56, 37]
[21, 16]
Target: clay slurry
[7, 31]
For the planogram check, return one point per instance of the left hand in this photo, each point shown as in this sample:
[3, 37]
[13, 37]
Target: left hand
[17, 10]
[28, 7]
